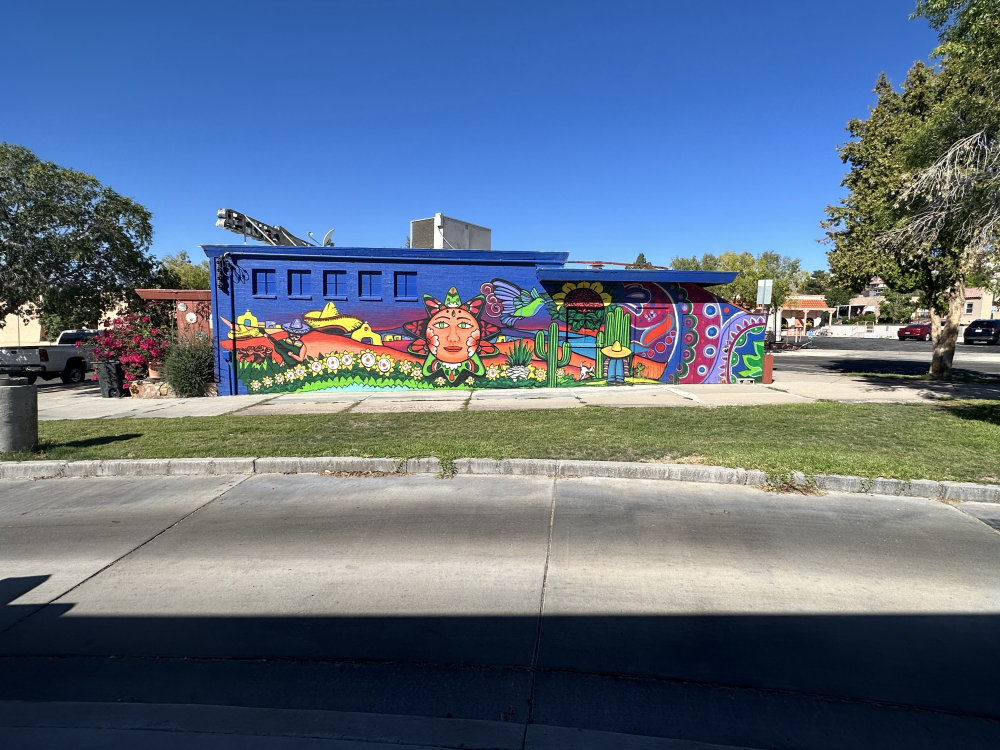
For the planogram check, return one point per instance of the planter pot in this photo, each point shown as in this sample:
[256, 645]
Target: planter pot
[155, 370]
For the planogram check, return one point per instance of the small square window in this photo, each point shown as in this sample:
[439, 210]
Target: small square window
[406, 285]
[968, 308]
[299, 284]
[370, 285]
[335, 284]
[264, 282]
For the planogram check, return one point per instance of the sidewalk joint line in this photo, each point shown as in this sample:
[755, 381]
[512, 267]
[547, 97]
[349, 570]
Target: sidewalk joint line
[533, 668]
[121, 557]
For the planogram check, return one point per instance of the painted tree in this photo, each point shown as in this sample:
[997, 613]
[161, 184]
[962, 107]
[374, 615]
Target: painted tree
[67, 243]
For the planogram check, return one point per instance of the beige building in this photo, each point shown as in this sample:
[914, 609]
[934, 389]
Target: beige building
[979, 303]
[15, 332]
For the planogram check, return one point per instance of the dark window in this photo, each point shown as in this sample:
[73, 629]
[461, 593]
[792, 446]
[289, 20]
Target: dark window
[406, 285]
[264, 282]
[370, 284]
[335, 284]
[299, 284]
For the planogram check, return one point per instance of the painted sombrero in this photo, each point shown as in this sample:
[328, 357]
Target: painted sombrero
[329, 317]
[617, 351]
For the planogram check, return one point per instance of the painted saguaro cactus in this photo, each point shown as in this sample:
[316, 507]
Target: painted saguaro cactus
[555, 356]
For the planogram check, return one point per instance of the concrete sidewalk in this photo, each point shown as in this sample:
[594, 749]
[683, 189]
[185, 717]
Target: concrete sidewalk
[524, 613]
[84, 402]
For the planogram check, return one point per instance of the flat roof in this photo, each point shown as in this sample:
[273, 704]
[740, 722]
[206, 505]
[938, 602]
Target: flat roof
[520, 257]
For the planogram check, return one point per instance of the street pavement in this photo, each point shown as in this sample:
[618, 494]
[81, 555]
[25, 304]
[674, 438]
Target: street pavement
[309, 610]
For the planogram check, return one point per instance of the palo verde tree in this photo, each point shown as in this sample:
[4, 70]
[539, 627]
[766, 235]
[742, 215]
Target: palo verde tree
[69, 247]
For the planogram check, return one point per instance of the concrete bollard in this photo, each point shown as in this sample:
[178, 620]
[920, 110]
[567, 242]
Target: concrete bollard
[18, 415]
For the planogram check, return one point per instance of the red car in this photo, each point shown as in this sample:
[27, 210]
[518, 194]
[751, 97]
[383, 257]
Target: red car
[920, 331]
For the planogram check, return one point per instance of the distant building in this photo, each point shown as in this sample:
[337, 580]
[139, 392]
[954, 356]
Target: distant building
[979, 303]
[444, 233]
[802, 312]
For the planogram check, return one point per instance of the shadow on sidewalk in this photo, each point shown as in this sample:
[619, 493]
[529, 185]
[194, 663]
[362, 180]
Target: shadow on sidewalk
[808, 681]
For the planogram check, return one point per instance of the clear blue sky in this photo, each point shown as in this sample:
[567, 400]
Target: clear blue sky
[602, 128]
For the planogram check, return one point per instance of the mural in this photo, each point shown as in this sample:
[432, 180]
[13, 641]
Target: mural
[502, 335]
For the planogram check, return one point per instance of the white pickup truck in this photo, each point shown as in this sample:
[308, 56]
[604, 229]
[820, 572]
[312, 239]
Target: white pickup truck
[63, 359]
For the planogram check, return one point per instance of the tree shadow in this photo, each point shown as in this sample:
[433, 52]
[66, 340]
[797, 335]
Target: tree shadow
[789, 680]
[90, 442]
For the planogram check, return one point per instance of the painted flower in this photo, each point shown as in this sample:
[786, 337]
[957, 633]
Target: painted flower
[470, 380]
[540, 374]
[300, 371]
[268, 382]
[404, 367]
[316, 367]
[583, 296]
[416, 373]
[279, 379]
[492, 372]
[384, 364]
[439, 381]
[561, 372]
[368, 358]
[347, 359]
[333, 363]
[255, 385]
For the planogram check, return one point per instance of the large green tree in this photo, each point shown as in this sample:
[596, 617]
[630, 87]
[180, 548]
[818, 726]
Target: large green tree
[179, 272]
[923, 200]
[785, 272]
[70, 248]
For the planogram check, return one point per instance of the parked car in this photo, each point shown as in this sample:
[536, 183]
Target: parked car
[983, 332]
[64, 359]
[921, 331]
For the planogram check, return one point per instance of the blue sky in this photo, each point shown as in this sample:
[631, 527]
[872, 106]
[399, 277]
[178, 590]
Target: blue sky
[602, 128]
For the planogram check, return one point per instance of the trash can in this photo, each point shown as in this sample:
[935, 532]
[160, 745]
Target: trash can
[18, 415]
[111, 378]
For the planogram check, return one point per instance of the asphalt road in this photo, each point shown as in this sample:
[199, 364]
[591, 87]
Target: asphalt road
[526, 612]
[829, 354]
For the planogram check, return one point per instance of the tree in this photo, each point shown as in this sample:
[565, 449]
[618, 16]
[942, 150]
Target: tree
[69, 247]
[924, 203]
[784, 271]
[178, 272]
[640, 262]
[825, 283]
[896, 307]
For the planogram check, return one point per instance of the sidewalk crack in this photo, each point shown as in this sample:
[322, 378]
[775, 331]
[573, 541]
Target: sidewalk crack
[533, 668]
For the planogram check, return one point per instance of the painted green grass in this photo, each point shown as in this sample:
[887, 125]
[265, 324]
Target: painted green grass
[957, 440]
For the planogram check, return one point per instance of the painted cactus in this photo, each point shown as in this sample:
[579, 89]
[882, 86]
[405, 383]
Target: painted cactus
[555, 356]
[617, 327]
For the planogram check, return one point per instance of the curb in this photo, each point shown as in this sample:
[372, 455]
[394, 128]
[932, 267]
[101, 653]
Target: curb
[927, 488]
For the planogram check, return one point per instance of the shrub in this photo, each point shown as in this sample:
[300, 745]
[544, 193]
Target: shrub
[190, 366]
[135, 340]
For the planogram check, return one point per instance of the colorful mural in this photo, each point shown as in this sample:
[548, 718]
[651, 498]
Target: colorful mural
[498, 334]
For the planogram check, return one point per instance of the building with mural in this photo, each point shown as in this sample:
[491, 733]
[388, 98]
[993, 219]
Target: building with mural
[304, 319]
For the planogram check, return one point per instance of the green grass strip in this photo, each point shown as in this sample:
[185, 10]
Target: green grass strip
[957, 440]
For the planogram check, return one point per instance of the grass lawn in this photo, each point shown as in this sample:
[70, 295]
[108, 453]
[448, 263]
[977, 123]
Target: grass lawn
[958, 440]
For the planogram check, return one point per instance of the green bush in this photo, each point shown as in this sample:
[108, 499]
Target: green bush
[190, 366]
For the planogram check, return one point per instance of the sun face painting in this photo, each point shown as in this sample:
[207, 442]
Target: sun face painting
[453, 337]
